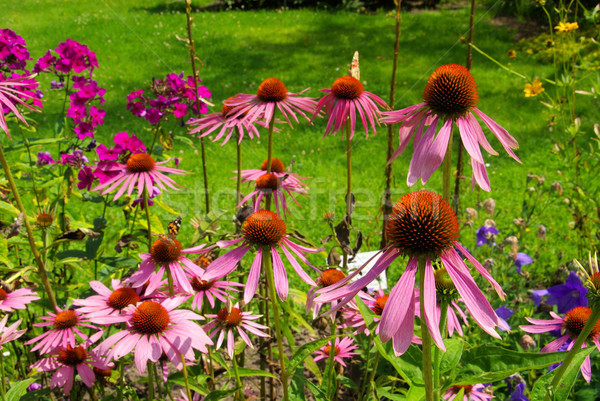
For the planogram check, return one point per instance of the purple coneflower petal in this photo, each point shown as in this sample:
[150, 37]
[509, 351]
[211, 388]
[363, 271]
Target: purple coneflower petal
[398, 302]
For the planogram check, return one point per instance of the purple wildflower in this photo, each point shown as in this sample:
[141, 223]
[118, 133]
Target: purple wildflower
[521, 260]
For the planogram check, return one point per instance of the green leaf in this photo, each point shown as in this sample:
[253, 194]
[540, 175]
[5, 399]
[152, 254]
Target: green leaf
[417, 393]
[36, 395]
[296, 392]
[409, 365]
[4, 253]
[541, 387]
[216, 395]
[7, 207]
[346, 381]
[384, 392]
[450, 358]
[246, 372]
[305, 351]
[319, 395]
[18, 389]
[489, 364]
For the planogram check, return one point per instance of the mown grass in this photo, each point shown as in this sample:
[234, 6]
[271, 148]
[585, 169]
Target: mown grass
[304, 48]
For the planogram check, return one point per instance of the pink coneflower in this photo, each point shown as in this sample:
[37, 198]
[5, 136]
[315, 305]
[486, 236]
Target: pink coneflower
[278, 169]
[227, 124]
[422, 225]
[471, 392]
[168, 253]
[68, 360]
[271, 184]
[15, 91]
[570, 326]
[450, 96]
[346, 97]
[343, 349]
[140, 170]
[155, 328]
[17, 299]
[271, 95]
[67, 325]
[266, 231]
[328, 277]
[10, 333]
[211, 289]
[107, 302]
[230, 320]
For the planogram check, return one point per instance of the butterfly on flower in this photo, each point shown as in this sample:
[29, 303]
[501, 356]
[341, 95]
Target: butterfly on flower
[172, 231]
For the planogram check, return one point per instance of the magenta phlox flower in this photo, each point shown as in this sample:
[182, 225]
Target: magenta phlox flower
[229, 321]
[14, 91]
[66, 361]
[75, 160]
[450, 97]
[342, 348]
[211, 290]
[17, 299]
[139, 170]
[344, 100]
[45, 63]
[471, 392]
[265, 231]
[10, 333]
[86, 178]
[154, 328]
[569, 326]
[66, 325]
[44, 159]
[421, 225]
[168, 254]
[271, 95]
[13, 51]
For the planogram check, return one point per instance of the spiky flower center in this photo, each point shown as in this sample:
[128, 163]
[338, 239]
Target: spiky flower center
[102, 373]
[272, 90]
[165, 251]
[268, 182]
[226, 109]
[231, 318]
[201, 285]
[466, 387]
[3, 294]
[277, 165]
[422, 223]
[72, 356]
[443, 282]
[150, 318]
[380, 304]
[122, 297]
[140, 163]
[451, 90]
[347, 88]
[44, 220]
[576, 318]
[595, 279]
[65, 320]
[327, 350]
[331, 276]
[264, 228]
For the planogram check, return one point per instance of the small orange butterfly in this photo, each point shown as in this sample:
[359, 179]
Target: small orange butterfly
[173, 230]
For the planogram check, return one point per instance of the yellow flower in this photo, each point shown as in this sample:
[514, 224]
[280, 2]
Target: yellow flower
[564, 27]
[533, 89]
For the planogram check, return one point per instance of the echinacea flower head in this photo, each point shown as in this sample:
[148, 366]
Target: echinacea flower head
[450, 97]
[225, 124]
[272, 94]
[231, 320]
[471, 392]
[271, 184]
[211, 290]
[140, 170]
[16, 91]
[168, 253]
[533, 89]
[278, 169]
[570, 326]
[327, 277]
[17, 299]
[66, 325]
[422, 226]
[266, 232]
[66, 361]
[347, 98]
[342, 349]
[153, 328]
[10, 333]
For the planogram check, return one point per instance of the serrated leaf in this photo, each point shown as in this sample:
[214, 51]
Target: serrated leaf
[317, 392]
[296, 392]
[18, 389]
[450, 358]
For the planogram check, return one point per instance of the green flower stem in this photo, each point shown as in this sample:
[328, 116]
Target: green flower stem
[238, 380]
[331, 359]
[437, 353]
[2, 389]
[102, 223]
[447, 170]
[158, 384]
[348, 187]
[211, 367]
[363, 387]
[269, 157]
[238, 191]
[186, 378]
[581, 338]
[30, 237]
[150, 381]
[92, 393]
[26, 142]
[373, 371]
[268, 268]
[147, 209]
[121, 381]
[188, 10]
[425, 336]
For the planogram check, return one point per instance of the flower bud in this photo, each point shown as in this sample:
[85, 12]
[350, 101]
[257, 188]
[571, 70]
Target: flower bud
[489, 205]
[527, 342]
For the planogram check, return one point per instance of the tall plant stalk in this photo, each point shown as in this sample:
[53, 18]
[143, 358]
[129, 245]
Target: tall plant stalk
[38, 260]
[347, 218]
[425, 335]
[188, 10]
[387, 195]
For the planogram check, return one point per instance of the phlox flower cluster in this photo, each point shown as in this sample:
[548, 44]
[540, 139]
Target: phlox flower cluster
[13, 51]
[85, 115]
[172, 95]
[69, 57]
